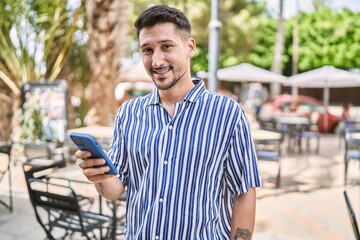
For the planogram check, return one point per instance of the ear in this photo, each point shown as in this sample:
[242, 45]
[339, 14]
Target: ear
[191, 44]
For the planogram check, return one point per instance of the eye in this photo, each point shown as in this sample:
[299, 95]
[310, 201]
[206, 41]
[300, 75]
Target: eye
[166, 46]
[146, 51]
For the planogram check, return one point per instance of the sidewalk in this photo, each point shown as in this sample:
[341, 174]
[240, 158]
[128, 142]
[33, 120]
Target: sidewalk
[309, 205]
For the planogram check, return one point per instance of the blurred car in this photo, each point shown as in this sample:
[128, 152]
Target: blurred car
[307, 106]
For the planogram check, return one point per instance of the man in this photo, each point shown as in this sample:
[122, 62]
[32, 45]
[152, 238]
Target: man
[184, 153]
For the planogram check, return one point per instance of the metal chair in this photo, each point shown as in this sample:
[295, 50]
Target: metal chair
[59, 214]
[353, 221]
[270, 149]
[312, 132]
[352, 150]
[34, 169]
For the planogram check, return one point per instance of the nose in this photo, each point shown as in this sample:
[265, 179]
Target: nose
[158, 59]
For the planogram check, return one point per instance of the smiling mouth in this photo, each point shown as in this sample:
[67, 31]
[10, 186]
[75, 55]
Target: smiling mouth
[161, 70]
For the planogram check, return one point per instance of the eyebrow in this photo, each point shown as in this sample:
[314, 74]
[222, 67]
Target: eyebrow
[161, 41]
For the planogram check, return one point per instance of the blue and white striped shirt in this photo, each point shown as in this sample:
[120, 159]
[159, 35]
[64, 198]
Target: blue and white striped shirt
[182, 172]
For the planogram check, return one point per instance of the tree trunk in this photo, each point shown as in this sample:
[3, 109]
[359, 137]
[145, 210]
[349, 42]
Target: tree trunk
[65, 74]
[107, 30]
[9, 104]
[278, 52]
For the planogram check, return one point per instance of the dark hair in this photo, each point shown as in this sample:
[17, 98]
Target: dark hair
[162, 14]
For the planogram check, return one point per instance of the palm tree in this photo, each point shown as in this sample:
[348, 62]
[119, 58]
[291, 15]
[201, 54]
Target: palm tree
[107, 30]
[42, 23]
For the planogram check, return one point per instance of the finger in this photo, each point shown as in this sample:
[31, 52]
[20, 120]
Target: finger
[91, 163]
[82, 154]
[96, 173]
[99, 178]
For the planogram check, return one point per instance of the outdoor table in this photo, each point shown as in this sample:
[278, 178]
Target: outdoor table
[292, 120]
[5, 148]
[261, 134]
[294, 126]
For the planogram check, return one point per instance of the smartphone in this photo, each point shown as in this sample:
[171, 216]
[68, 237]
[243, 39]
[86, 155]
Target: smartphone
[86, 142]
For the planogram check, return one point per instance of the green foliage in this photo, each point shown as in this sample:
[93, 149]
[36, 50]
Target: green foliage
[262, 53]
[30, 29]
[242, 26]
[199, 61]
[37, 37]
[16, 64]
[326, 37]
[31, 121]
[329, 38]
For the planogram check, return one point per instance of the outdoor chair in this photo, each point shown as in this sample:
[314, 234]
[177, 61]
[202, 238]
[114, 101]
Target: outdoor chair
[352, 150]
[352, 216]
[5, 148]
[269, 124]
[311, 131]
[270, 150]
[346, 126]
[58, 212]
[43, 171]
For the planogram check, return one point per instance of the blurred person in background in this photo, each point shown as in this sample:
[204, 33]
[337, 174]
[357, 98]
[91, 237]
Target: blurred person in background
[266, 111]
[345, 115]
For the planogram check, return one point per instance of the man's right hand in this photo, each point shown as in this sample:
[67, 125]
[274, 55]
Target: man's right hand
[92, 168]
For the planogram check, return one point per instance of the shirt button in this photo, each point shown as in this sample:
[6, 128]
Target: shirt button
[170, 127]
[165, 162]
[157, 237]
[161, 200]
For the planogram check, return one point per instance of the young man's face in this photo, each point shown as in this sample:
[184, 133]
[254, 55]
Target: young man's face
[166, 54]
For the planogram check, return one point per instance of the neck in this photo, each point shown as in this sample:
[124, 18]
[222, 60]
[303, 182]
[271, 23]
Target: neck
[175, 94]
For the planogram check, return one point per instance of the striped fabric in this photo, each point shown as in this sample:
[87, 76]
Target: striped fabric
[182, 172]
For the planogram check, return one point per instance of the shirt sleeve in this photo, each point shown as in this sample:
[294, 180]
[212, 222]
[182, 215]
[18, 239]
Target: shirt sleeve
[242, 171]
[117, 151]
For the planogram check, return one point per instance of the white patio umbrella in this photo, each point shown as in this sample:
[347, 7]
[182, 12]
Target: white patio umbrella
[247, 72]
[325, 77]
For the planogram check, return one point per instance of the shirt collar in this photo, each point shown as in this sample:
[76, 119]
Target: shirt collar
[192, 96]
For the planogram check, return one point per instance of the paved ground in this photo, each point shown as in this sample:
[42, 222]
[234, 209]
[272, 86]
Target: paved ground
[309, 204]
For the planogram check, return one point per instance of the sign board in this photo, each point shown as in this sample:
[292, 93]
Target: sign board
[50, 100]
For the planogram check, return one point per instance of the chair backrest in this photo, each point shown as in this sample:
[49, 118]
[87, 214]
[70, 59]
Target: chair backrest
[352, 143]
[270, 147]
[53, 196]
[58, 211]
[56, 200]
[354, 224]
